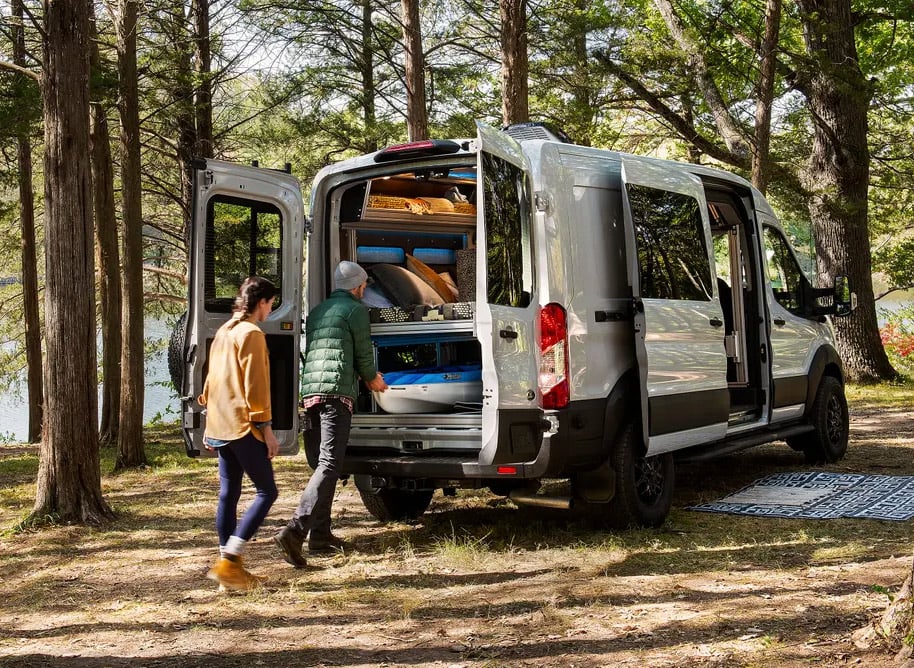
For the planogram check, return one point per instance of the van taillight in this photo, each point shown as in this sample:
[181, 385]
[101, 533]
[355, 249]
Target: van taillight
[553, 375]
[417, 149]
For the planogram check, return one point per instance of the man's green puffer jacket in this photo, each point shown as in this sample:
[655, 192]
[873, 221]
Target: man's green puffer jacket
[337, 347]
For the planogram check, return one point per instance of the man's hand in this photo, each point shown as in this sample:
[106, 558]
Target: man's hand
[377, 384]
[270, 439]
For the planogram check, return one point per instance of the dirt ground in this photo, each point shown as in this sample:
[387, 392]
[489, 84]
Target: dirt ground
[474, 583]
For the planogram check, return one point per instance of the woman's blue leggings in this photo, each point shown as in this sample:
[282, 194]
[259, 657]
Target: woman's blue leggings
[244, 455]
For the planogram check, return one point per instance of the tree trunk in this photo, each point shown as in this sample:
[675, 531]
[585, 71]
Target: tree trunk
[416, 113]
[581, 90]
[204, 106]
[767, 70]
[108, 257]
[32, 322]
[514, 68]
[895, 625]
[182, 94]
[837, 177]
[69, 476]
[366, 65]
[130, 451]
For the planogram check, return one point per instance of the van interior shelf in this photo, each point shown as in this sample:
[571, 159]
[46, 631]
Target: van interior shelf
[388, 216]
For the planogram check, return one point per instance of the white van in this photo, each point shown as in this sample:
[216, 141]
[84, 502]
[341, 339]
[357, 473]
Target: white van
[541, 310]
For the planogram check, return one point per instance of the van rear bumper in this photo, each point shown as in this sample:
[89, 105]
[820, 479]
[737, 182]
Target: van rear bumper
[362, 459]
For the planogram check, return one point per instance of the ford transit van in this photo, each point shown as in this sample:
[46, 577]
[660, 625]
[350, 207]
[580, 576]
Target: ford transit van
[540, 310]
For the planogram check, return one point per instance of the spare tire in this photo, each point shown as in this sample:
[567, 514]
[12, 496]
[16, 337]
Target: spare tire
[176, 353]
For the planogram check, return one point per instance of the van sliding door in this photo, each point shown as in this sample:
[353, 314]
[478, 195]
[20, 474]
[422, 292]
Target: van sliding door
[505, 308]
[679, 332]
[246, 221]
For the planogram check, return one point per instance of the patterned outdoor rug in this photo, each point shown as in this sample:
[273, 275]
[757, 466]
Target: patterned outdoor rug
[813, 495]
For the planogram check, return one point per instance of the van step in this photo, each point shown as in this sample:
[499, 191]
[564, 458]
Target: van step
[703, 453]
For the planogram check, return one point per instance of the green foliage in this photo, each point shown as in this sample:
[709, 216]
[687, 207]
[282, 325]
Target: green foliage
[20, 105]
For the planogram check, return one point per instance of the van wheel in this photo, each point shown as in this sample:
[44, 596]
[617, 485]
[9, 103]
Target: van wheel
[829, 417]
[392, 505]
[176, 353]
[644, 485]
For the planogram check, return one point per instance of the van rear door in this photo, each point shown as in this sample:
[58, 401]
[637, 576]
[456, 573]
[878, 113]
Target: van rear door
[679, 330]
[246, 221]
[505, 304]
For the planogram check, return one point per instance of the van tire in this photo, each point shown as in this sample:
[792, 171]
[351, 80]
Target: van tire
[176, 353]
[827, 442]
[644, 485]
[394, 505]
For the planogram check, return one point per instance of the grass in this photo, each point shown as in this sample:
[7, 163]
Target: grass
[473, 571]
[898, 395]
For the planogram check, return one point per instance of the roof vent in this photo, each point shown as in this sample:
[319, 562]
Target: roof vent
[531, 131]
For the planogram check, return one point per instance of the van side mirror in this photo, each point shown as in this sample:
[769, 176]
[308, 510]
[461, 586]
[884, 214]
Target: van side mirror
[845, 300]
[842, 299]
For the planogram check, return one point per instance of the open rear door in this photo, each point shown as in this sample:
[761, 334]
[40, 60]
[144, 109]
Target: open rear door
[505, 307]
[246, 221]
[679, 332]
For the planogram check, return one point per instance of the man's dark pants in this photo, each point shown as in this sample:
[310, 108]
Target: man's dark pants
[327, 435]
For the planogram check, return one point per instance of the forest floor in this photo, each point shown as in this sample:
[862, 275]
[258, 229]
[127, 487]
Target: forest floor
[475, 582]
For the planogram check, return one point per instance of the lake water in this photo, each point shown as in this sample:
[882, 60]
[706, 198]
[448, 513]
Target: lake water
[160, 400]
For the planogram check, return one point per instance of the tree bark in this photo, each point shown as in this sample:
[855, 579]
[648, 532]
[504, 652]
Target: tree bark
[204, 105]
[32, 316]
[767, 70]
[514, 64]
[366, 66]
[837, 177]
[107, 256]
[416, 112]
[69, 476]
[130, 451]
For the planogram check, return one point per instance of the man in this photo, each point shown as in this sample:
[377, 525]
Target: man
[337, 353]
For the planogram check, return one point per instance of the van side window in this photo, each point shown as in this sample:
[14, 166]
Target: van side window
[508, 248]
[672, 256]
[243, 238]
[784, 273]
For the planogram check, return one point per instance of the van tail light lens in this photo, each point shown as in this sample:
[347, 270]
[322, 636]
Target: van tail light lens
[553, 374]
[417, 149]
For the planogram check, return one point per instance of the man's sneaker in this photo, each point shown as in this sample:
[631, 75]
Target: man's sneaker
[289, 540]
[231, 574]
[327, 544]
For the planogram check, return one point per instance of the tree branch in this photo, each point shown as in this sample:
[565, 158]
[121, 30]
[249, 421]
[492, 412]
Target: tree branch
[685, 129]
[6, 65]
[731, 132]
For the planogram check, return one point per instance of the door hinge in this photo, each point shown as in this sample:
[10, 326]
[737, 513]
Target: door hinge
[541, 201]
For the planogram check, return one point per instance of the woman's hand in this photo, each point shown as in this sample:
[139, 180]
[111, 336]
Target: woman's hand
[269, 438]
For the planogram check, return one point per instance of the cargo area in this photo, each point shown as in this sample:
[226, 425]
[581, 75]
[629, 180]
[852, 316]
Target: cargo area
[414, 233]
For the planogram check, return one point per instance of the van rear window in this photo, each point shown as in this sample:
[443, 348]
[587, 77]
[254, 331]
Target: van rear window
[508, 249]
[243, 238]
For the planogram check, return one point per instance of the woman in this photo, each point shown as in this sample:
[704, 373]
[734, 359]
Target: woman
[238, 415]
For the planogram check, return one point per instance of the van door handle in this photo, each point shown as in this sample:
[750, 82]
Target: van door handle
[780, 322]
[716, 322]
[507, 333]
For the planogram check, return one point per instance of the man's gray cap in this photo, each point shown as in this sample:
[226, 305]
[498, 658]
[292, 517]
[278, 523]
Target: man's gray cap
[348, 275]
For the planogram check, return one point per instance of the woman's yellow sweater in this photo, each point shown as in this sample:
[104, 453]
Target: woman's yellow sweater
[237, 389]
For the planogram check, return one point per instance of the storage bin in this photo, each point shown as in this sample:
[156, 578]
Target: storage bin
[431, 390]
